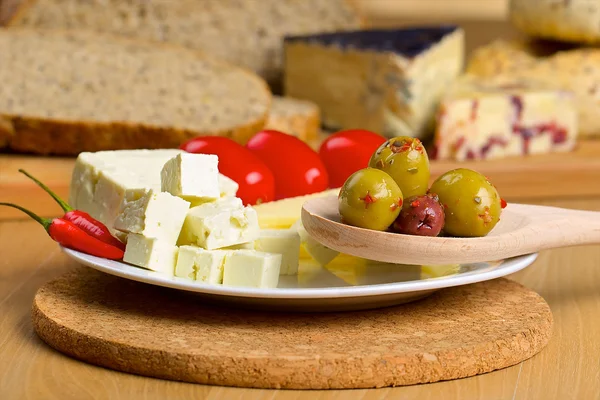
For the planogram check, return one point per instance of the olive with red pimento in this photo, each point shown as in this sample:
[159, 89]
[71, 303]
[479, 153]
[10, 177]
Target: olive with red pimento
[405, 159]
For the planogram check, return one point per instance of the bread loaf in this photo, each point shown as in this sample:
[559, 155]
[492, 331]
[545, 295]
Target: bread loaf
[244, 32]
[298, 118]
[567, 20]
[66, 92]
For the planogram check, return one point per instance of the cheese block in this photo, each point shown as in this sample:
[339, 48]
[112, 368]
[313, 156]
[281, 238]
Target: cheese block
[101, 180]
[194, 177]
[322, 254]
[281, 241]
[387, 81]
[251, 268]
[575, 70]
[227, 186]
[299, 118]
[65, 92]
[486, 118]
[153, 215]
[575, 21]
[225, 222]
[282, 214]
[151, 254]
[201, 265]
[243, 32]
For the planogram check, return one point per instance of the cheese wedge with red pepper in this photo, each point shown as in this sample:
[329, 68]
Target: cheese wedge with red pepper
[180, 217]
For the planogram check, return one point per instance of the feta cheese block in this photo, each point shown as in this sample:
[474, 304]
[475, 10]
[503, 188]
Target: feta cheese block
[151, 254]
[486, 118]
[282, 214]
[281, 241]
[225, 222]
[100, 180]
[320, 253]
[201, 265]
[387, 81]
[251, 268]
[193, 177]
[227, 186]
[575, 21]
[154, 215]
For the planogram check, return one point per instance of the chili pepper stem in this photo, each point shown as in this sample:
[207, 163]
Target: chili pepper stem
[63, 204]
[44, 221]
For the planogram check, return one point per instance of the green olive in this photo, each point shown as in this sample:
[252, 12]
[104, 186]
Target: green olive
[370, 199]
[405, 160]
[471, 203]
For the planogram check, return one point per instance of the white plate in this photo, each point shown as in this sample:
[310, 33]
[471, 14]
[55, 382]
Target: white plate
[348, 283]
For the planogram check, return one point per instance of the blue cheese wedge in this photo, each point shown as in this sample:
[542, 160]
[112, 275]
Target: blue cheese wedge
[101, 180]
[387, 81]
[193, 177]
[252, 269]
[488, 118]
[201, 265]
[281, 241]
[154, 215]
[151, 254]
[320, 253]
[225, 222]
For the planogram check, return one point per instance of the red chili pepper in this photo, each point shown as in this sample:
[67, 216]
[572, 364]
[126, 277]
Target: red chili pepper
[69, 235]
[80, 219]
[503, 203]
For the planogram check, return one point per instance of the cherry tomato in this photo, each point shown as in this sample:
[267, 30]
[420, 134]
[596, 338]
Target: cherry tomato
[346, 152]
[256, 181]
[297, 168]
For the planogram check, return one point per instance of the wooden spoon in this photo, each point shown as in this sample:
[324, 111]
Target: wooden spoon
[523, 229]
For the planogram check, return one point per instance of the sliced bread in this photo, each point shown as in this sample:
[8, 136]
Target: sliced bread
[298, 118]
[66, 92]
[244, 32]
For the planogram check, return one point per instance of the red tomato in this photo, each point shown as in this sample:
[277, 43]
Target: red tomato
[256, 181]
[297, 168]
[345, 152]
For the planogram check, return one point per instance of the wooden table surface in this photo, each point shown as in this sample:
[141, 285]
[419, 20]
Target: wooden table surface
[568, 368]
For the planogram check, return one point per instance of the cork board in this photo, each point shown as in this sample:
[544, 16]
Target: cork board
[163, 333]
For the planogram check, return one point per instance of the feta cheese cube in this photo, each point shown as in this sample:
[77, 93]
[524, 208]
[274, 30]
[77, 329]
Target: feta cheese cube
[101, 179]
[281, 241]
[223, 223]
[201, 265]
[154, 215]
[227, 186]
[252, 269]
[195, 177]
[151, 254]
[320, 253]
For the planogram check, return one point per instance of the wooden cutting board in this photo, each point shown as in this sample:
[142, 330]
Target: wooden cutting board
[524, 179]
[158, 332]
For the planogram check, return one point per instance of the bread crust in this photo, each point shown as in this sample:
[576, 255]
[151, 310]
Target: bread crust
[60, 137]
[19, 12]
[67, 137]
[305, 127]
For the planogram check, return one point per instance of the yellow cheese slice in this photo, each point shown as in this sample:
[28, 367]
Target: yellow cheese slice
[282, 214]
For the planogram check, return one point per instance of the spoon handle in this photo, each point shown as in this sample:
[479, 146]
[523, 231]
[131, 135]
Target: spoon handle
[566, 227]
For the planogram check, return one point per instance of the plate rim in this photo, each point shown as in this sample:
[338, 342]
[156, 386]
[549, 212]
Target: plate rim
[154, 278]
